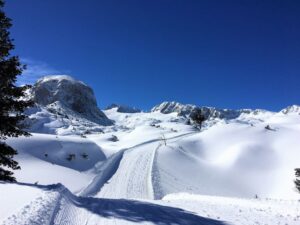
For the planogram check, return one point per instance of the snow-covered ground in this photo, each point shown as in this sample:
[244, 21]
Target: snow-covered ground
[239, 211]
[155, 167]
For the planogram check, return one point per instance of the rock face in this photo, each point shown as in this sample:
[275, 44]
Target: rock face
[123, 108]
[170, 107]
[70, 94]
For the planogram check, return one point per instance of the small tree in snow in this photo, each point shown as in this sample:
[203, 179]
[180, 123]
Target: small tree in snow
[84, 155]
[297, 181]
[198, 117]
[71, 157]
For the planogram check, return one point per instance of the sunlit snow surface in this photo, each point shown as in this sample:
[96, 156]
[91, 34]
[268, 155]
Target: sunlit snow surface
[153, 157]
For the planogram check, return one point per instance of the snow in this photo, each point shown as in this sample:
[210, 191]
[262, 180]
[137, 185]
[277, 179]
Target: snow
[154, 168]
[55, 168]
[244, 162]
[10, 203]
[237, 210]
[57, 205]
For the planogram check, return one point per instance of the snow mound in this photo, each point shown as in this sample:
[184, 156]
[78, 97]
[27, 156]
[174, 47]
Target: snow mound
[233, 159]
[70, 94]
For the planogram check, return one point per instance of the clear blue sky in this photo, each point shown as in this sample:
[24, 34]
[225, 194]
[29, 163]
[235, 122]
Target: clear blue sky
[228, 54]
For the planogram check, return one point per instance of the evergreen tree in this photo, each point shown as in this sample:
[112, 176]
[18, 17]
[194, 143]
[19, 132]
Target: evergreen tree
[297, 181]
[12, 101]
[197, 117]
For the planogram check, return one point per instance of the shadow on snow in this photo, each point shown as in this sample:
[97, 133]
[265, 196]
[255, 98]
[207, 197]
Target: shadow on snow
[130, 210]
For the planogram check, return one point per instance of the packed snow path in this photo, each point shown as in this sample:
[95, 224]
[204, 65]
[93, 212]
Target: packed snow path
[133, 177]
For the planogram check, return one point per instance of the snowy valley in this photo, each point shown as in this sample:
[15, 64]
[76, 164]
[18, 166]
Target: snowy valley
[83, 165]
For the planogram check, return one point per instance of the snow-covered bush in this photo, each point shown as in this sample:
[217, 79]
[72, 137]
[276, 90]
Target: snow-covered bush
[71, 157]
[84, 155]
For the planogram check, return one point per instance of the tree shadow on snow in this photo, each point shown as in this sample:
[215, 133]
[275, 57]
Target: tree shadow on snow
[130, 210]
[137, 211]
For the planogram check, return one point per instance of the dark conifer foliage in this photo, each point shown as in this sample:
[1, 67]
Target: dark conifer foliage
[12, 99]
[297, 181]
[198, 117]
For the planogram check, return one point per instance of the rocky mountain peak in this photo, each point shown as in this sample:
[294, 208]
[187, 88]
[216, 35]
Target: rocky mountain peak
[71, 94]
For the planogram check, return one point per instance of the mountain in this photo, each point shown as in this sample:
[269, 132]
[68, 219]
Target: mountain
[64, 105]
[171, 107]
[71, 94]
[209, 112]
[123, 108]
[293, 109]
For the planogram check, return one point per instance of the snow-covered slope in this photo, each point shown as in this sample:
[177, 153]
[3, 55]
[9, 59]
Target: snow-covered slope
[238, 211]
[45, 159]
[237, 156]
[232, 160]
[54, 204]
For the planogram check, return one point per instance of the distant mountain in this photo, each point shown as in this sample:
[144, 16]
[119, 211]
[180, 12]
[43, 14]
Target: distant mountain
[67, 106]
[171, 107]
[209, 112]
[123, 108]
[293, 109]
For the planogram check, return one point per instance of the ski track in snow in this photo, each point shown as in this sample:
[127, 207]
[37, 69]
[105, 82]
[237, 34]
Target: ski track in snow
[134, 177]
[127, 174]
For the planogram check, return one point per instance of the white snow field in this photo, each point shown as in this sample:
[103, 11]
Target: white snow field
[154, 167]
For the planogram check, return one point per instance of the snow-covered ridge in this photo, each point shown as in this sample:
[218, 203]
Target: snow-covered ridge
[293, 109]
[170, 107]
[60, 78]
[209, 112]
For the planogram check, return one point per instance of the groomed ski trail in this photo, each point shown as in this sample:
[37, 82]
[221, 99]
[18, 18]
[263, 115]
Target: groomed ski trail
[133, 178]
